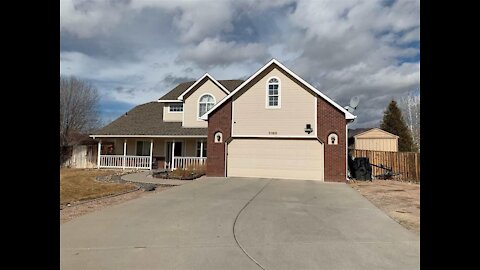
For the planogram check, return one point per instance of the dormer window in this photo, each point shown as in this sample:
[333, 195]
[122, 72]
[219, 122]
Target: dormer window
[205, 103]
[176, 107]
[273, 93]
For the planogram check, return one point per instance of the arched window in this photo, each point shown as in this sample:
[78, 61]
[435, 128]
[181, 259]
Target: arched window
[218, 137]
[273, 93]
[205, 103]
[332, 138]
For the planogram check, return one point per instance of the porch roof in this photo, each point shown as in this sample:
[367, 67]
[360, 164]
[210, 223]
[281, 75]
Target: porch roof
[147, 119]
[179, 89]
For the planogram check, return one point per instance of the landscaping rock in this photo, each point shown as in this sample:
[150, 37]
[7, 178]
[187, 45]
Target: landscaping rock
[149, 187]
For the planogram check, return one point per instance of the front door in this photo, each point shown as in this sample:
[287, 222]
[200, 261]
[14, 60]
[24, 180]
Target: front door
[178, 152]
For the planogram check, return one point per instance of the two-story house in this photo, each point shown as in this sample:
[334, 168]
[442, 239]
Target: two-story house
[272, 125]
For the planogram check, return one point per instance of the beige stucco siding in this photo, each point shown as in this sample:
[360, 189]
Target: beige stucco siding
[190, 107]
[171, 116]
[377, 144]
[276, 158]
[118, 146]
[158, 146]
[297, 108]
[190, 145]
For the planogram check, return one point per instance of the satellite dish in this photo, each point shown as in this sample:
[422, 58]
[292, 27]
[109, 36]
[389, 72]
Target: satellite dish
[354, 102]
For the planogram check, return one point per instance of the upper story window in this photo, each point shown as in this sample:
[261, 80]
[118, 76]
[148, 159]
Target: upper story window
[176, 107]
[273, 93]
[205, 103]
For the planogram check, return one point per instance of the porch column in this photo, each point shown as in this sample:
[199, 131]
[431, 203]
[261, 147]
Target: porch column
[151, 151]
[124, 153]
[201, 149]
[98, 154]
[173, 155]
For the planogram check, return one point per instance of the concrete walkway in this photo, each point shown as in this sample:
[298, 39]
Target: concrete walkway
[236, 223]
[145, 177]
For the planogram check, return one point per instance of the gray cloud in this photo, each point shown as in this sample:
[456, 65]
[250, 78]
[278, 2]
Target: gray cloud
[135, 51]
[174, 80]
[214, 52]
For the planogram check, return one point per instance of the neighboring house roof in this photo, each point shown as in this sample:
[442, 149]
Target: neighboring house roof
[353, 132]
[147, 119]
[348, 115]
[183, 88]
[377, 129]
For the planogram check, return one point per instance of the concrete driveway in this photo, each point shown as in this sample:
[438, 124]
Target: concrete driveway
[241, 223]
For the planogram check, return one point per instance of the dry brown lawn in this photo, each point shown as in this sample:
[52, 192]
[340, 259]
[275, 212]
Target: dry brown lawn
[80, 184]
[399, 200]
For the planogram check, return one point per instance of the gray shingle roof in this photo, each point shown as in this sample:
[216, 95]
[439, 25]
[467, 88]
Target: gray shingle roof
[353, 132]
[179, 89]
[147, 119]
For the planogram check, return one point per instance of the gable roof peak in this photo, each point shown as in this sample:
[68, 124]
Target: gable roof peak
[206, 75]
[348, 115]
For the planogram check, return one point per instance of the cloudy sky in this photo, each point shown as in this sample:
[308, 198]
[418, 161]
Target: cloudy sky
[134, 51]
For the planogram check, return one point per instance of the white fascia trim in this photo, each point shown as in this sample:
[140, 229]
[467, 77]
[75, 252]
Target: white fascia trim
[169, 100]
[346, 152]
[148, 136]
[348, 115]
[199, 80]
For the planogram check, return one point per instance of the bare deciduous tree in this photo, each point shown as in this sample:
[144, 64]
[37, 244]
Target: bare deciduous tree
[410, 106]
[78, 109]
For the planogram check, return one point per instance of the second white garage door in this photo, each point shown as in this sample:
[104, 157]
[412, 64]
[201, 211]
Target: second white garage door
[276, 158]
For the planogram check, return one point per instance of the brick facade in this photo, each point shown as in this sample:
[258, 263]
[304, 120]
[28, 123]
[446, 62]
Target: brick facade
[220, 120]
[330, 119]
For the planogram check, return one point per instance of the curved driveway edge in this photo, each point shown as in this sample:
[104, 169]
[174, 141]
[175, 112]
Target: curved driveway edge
[289, 225]
[144, 178]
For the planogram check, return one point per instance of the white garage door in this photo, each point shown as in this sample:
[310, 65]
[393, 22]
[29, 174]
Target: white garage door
[276, 158]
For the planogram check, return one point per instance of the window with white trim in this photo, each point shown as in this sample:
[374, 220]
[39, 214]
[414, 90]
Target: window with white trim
[205, 103]
[273, 94]
[143, 148]
[176, 107]
[199, 148]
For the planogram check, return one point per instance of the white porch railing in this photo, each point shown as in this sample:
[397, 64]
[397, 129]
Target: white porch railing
[117, 161]
[185, 162]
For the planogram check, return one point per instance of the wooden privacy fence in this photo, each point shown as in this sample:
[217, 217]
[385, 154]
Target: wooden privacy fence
[405, 163]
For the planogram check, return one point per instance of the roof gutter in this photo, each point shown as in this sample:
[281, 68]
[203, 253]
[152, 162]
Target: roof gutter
[161, 100]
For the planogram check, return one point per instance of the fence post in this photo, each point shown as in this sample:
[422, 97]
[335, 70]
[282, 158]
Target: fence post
[416, 167]
[124, 153]
[151, 151]
[98, 154]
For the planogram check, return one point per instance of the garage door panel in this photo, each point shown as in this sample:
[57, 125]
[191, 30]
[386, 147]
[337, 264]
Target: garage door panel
[278, 158]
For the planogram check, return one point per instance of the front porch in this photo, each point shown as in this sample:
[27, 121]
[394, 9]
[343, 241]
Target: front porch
[152, 153]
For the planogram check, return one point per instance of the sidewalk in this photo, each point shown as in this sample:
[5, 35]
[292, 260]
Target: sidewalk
[145, 177]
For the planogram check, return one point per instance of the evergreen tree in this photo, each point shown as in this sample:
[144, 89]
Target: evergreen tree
[394, 123]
